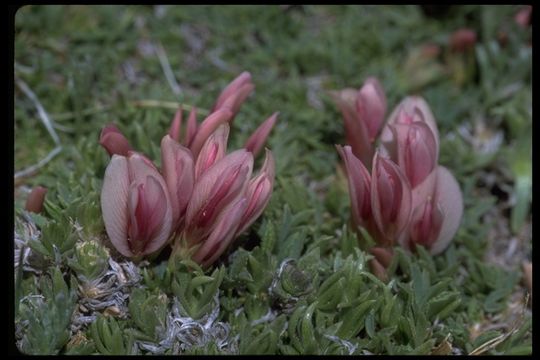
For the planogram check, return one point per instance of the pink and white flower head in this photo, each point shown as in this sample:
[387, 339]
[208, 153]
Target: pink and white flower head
[407, 199]
[201, 199]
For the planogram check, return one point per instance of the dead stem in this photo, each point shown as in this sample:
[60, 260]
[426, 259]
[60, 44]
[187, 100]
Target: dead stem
[49, 125]
[166, 66]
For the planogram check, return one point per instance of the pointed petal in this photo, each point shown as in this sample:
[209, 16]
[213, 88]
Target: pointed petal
[426, 222]
[235, 101]
[356, 131]
[231, 89]
[114, 198]
[359, 186]
[416, 150]
[114, 141]
[448, 196]
[391, 199]
[174, 131]
[213, 150]
[258, 138]
[222, 234]
[178, 173]
[207, 127]
[191, 129]
[371, 105]
[258, 193]
[422, 193]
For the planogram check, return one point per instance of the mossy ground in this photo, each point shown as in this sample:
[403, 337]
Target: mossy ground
[296, 282]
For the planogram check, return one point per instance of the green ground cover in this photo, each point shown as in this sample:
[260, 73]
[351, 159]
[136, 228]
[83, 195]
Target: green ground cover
[296, 283]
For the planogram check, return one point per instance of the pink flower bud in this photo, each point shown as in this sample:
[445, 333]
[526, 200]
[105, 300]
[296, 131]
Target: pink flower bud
[217, 187]
[213, 150]
[390, 199]
[462, 40]
[416, 150]
[222, 234]
[34, 202]
[371, 106]
[359, 181]
[259, 136]
[135, 205]
[411, 110]
[363, 114]
[191, 129]
[523, 16]
[207, 127]
[235, 93]
[258, 193]
[356, 133]
[174, 131]
[177, 166]
[114, 141]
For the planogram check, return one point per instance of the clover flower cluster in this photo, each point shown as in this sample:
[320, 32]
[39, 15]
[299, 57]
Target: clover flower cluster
[398, 192]
[201, 198]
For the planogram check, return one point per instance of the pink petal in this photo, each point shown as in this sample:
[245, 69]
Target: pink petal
[142, 159]
[191, 129]
[417, 109]
[222, 234]
[236, 100]
[214, 149]
[390, 198]
[139, 168]
[223, 182]
[207, 127]
[231, 89]
[114, 199]
[426, 224]
[356, 131]
[147, 208]
[359, 182]
[174, 131]
[416, 150]
[371, 105]
[258, 138]
[448, 196]
[34, 202]
[114, 141]
[178, 173]
[258, 193]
